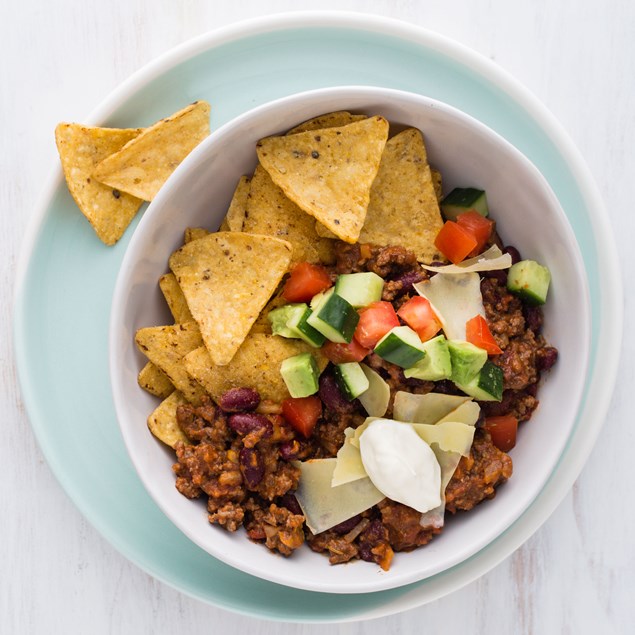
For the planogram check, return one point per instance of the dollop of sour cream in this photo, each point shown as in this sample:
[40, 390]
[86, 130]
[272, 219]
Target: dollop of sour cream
[401, 465]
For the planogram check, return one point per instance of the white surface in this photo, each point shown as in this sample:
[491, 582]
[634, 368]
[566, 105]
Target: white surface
[198, 195]
[577, 574]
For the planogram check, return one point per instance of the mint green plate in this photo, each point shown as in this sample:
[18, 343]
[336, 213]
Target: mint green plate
[67, 278]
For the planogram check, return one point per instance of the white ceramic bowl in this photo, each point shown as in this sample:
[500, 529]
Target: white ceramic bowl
[528, 216]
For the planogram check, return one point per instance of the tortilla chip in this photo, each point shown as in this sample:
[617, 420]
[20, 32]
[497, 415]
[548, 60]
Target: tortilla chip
[403, 206]
[162, 422]
[81, 148]
[175, 298]
[329, 173]
[227, 278]
[155, 381]
[166, 346]
[233, 221]
[256, 364]
[437, 183]
[330, 120]
[271, 213]
[144, 164]
[194, 233]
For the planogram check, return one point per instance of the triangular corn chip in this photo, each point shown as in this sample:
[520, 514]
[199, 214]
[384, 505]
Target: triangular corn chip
[155, 381]
[162, 422]
[81, 148]
[194, 233]
[329, 172]
[270, 212]
[166, 346]
[144, 164]
[256, 364]
[227, 278]
[403, 206]
[175, 298]
[330, 120]
[233, 221]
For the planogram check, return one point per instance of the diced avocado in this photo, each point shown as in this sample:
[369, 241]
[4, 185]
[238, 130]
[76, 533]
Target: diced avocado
[300, 374]
[278, 319]
[334, 317]
[437, 363]
[360, 289]
[467, 360]
[487, 385]
[401, 346]
[351, 379]
[530, 281]
[462, 199]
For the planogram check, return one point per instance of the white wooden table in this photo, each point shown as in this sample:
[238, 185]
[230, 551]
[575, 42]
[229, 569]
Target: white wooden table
[57, 61]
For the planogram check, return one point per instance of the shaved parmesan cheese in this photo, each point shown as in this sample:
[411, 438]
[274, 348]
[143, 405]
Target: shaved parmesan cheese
[349, 466]
[467, 413]
[448, 462]
[489, 260]
[375, 400]
[401, 465]
[325, 506]
[450, 436]
[455, 299]
[428, 408]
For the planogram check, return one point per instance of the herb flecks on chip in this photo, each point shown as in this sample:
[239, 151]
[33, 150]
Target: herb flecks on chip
[227, 278]
[270, 212]
[329, 172]
[144, 164]
[81, 149]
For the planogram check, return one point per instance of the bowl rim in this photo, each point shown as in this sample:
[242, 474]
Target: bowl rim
[180, 176]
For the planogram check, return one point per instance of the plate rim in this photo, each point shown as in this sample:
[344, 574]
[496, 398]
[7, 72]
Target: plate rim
[608, 343]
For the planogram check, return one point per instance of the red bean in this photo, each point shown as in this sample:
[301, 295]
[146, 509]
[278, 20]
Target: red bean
[246, 422]
[332, 396]
[289, 450]
[346, 525]
[407, 279]
[546, 357]
[239, 400]
[513, 252]
[252, 466]
[289, 501]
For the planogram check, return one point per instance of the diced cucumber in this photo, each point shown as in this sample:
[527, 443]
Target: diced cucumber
[334, 317]
[351, 379]
[487, 385]
[300, 374]
[376, 399]
[360, 289]
[467, 360]
[462, 199]
[437, 363]
[530, 281]
[401, 346]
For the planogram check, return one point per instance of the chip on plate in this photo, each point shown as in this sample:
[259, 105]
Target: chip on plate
[227, 278]
[81, 148]
[144, 164]
[162, 422]
[165, 346]
[403, 204]
[175, 298]
[270, 212]
[233, 221]
[256, 364]
[155, 381]
[329, 120]
[329, 172]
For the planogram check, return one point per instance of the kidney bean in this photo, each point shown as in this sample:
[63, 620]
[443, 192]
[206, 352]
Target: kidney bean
[252, 466]
[546, 357]
[407, 279]
[332, 396]
[239, 399]
[289, 501]
[513, 252]
[247, 422]
[533, 318]
[346, 525]
[499, 275]
[289, 450]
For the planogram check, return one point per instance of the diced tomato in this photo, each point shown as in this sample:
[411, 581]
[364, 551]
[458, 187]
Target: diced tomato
[455, 242]
[417, 313]
[477, 332]
[374, 322]
[302, 413]
[305, 281]
[503, 431]
[477, 225]
[342, 353]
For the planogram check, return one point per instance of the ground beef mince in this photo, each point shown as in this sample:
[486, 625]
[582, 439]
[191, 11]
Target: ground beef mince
[477, 475]
[240, 454]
